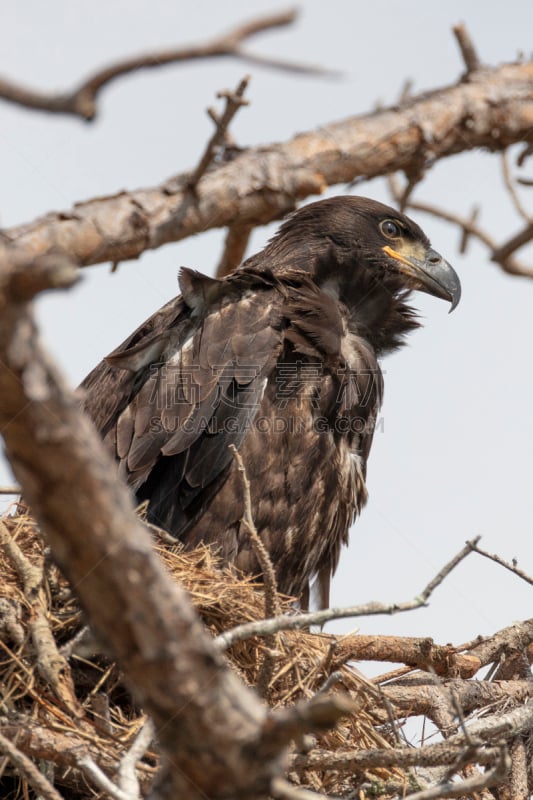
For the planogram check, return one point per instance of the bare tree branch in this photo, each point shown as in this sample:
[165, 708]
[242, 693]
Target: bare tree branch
[287, 622]
[104, 549]
[127, 777]
[284, 790]
[514, 638]
[82, 100]
[261, 553]
[468, 51]
[487, 735]
[421, 700]
[42, 787]
[519, 766]
[272, 606]
[96, 777]
[234, 101]
[431, 755]
[468, 786]
[235, 245]
[42, 743]
[499, 560]
[510, 185]
[493, 110]
[502, 255]
[51, 664]
[414, 652]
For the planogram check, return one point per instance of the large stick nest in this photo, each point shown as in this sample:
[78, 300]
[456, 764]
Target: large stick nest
[60, 688]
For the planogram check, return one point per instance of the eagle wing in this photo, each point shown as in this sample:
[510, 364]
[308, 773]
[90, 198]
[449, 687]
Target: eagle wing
[192, 381]
[184, 387]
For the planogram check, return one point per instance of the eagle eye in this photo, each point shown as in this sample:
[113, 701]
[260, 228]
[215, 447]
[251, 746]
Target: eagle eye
[390, 229]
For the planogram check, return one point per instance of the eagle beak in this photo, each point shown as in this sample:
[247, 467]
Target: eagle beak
[430, 273]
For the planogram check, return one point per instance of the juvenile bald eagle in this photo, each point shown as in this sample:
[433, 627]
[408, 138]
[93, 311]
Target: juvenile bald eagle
[280, 359]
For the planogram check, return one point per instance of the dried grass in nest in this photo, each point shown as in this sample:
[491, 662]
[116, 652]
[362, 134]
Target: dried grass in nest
[300, 661]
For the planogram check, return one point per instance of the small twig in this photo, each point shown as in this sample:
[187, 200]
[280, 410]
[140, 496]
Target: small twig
[468, 786]
[392, 675]
[234, 101]
[51, 664]
[332, 680]
[445, 571]
[511, 188]
[425, 697]
[84, 643]
[465, 238]
[10, 489]
[27, 769]
[272, 607]
[96, 776]
[455, 701]
[287, 622]
[420, 652]
[406, 91]
[284, 790]
[468, 51]
[82, 101]
[393, 723]
[126, 777]
[499, 560]
[499, 254]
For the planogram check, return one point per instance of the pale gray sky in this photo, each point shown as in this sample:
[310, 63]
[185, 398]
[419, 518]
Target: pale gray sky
[454, 457]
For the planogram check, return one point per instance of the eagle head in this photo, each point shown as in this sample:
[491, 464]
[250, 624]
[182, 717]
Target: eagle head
[355, 242]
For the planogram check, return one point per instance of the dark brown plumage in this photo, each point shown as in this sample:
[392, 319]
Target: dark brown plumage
[281, 360]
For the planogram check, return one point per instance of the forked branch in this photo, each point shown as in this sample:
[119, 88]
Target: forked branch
[82, 100]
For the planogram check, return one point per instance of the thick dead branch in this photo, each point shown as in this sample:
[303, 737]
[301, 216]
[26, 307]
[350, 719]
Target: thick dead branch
[208, 723]
[491, 731]
[27, 768]
[492, 110]
[42, 743]
[82, 100]
[503, 253]
[96, 777]
[519, 784]
[428, 756]
[422, 700]
[469, 786]
[515, 638]
[422, 653]
[51, 664]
